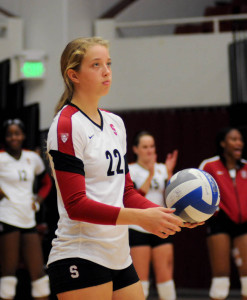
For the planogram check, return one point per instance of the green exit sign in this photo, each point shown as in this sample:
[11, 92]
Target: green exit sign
[33, 69]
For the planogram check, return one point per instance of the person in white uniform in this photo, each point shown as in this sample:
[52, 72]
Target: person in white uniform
[90, 256]
[149, 179]
[18, 170]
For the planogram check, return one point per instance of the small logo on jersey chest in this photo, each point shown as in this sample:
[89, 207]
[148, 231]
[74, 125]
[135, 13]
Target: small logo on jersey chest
[244, 174]
[64, 137]
[113, 128]
[220, 172]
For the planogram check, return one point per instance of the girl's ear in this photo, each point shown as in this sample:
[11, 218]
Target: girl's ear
[223, 144]
[135, 150]
[72, 74]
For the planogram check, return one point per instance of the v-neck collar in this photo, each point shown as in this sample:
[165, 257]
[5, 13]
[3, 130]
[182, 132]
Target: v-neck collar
[101, 118]
[13, 158]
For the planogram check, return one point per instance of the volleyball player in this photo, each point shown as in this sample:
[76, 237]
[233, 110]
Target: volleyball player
[227, 229]
[18, 169]
[96, 200]
[149, 178]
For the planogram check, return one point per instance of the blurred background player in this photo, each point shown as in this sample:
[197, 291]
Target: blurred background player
[149, 179]
[18, 234]
[227, 229]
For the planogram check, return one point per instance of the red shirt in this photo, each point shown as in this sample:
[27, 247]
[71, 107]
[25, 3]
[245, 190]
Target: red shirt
[233, 191]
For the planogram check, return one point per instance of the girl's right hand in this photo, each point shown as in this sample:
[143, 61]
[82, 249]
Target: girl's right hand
[160, 221]
[2, 194]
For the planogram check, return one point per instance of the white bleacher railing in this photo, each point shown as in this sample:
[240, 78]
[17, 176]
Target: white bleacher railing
[114, 25]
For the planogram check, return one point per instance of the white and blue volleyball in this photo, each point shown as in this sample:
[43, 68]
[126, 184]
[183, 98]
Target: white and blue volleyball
[194, 193]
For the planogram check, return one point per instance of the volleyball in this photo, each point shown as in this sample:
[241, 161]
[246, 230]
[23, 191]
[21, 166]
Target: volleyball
[194, 193]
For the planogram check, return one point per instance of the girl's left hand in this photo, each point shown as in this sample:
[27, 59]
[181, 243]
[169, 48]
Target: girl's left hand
[36, 203]
[171, 160]
[193, 225]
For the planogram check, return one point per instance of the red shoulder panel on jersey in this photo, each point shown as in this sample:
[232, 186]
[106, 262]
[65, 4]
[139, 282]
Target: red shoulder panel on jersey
[64, 130]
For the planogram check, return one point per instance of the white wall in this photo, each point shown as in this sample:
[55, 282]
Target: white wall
[169, 71]
[147, 72]
[12, 42]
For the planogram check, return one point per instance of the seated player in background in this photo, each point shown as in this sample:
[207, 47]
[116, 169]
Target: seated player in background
[149, 178]
[18, 204]
[227, 229]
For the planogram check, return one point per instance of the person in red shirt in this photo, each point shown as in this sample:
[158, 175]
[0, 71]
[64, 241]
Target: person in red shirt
[227, 229]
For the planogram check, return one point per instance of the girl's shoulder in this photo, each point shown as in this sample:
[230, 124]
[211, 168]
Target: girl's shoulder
[210, 160]
[31, 154]
[2, 154]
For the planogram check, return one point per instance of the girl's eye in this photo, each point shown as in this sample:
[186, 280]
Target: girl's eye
[109, 63]
[96, 64]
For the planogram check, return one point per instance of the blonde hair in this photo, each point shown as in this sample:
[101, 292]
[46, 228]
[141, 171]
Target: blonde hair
[71, 58]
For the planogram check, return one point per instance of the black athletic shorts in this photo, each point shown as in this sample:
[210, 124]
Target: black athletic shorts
[221, 223]
[137, 238]
[76, 273]
[6, 228]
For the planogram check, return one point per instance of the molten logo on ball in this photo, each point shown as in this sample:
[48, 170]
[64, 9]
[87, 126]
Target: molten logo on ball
[194, 194]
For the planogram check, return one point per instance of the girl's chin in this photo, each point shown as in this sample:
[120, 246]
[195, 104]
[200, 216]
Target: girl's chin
[15, 147]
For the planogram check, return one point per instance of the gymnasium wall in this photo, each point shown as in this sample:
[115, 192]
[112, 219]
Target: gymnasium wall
[169, 71]
[164, 71]
[48, 25]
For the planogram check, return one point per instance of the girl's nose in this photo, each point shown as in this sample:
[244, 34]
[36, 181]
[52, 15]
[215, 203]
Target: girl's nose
[106, 70]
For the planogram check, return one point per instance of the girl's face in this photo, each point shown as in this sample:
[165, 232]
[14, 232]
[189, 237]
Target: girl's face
[233, 144]
[14, 137]
[145, 150]
[95, 74]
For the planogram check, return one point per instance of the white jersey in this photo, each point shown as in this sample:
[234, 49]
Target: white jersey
[156, 192]
[16, 181]
[101, 150]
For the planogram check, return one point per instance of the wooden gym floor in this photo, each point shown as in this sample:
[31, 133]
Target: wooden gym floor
[194, 295]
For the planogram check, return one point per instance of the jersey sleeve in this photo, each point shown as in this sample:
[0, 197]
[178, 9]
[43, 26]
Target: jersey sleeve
[45, 184]
[66, 142]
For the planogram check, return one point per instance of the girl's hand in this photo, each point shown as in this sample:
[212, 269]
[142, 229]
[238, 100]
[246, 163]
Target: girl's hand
[193, 225]
[35, 206]
[3, 195]
[171, 160]
[36, 203]
[160, 221]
